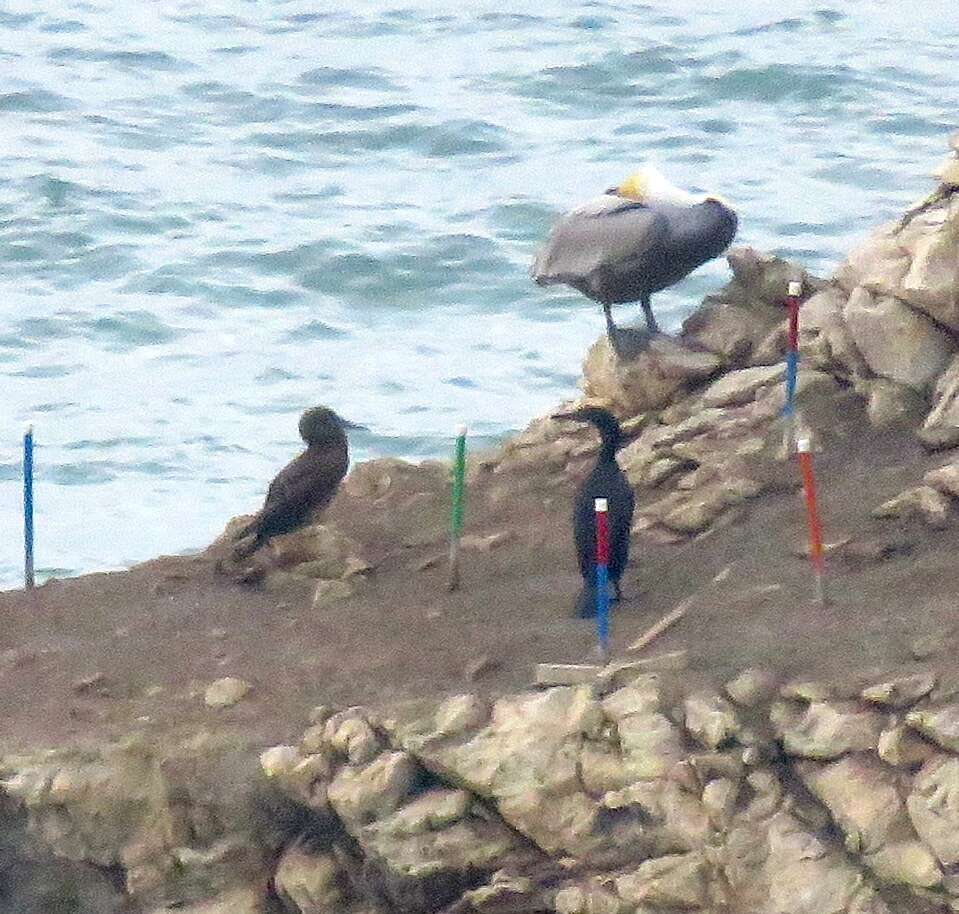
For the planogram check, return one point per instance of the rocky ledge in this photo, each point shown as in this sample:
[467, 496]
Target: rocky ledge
[629, 796]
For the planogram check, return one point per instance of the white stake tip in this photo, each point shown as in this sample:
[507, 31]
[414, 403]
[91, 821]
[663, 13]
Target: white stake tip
[803, 445]
[460, 431]
[795, 288]
[602, 505]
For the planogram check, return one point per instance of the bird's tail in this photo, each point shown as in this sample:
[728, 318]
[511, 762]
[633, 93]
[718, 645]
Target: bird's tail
[586, 601]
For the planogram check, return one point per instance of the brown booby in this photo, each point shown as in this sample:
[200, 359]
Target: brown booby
[306, 485]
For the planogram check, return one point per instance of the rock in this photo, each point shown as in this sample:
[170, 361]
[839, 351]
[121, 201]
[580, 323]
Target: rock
[941, 427]
[226, 692]
[941, 725]
[94, 683]
[650, 381]
[892, 405]
[861, 796]
[505, 893]
[900, 692]
[751, 688]
[945, 479]
[430, 811]
[236, 901]
[762, 278]
[824, 339]
[878, 265]
[932, 282]
[776, 865]
[278, 761]
[710, 719]
[589, 899]
[897, 342]
[676, 881]
[719, 801]
[934, 807]
[360, 795]
[924, 502]
[902, 747]
[526, 760]
[905, 863]
[460, 713]
[350, 734]
[731, 330]
[827, 730]
[738, 387]
[314, 551]
[808, 690]
[310, 882]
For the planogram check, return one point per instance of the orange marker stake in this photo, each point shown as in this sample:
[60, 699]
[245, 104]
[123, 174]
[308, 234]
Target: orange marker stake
[804, 452]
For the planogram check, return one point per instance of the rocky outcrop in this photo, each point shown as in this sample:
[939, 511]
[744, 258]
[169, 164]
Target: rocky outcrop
[627, 795]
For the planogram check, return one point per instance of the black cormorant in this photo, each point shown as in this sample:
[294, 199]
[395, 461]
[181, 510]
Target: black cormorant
[606, 480]
[638, 238]
[304, 486]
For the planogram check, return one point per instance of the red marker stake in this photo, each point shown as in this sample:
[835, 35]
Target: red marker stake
[816, 556]
[601, 507]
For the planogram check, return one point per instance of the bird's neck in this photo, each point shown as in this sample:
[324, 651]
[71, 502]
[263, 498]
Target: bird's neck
[607, 450]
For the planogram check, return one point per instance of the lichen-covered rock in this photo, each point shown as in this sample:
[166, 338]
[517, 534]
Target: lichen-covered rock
[902, 747]
[360, 795]
[460, 713]
[653, 379]
[934, 807]
[310, 882]
[675, 881]
[924, 502]
[945, 479]
[901, 691]
[350, 734]
[932, 282]
[897, 342]
[824, 339]
[892, 405]
[940, 429]
[737, 387]
[226, 692]
[710, 719]
[861, 795]
[751, 687]
[941, 725]
[878, 265]
[826, 730]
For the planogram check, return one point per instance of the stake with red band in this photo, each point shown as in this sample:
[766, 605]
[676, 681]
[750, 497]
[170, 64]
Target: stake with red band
[816, 557]
[792, 354]
[601, 506]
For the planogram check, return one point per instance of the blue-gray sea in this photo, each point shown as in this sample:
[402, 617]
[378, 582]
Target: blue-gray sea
[215, 214]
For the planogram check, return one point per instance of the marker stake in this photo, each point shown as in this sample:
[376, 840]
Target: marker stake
[601, 506]
[792, 363]
[28, 580]
[456, 513]
[816, 556]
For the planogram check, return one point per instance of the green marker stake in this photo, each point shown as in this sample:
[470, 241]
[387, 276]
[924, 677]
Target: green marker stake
[456, 514]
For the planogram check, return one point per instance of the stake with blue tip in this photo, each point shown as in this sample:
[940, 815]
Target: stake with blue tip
[28, 508]
[601, 506]
[456, 513]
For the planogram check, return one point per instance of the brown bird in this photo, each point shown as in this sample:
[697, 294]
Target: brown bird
[304, 486]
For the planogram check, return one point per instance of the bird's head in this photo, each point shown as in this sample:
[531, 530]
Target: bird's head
[320, 424]
[649, 185]
[603, 419]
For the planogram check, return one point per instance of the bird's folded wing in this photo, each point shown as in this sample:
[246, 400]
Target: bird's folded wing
[598, 236]
[296, 488]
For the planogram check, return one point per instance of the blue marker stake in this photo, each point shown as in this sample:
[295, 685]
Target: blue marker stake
[28, 507]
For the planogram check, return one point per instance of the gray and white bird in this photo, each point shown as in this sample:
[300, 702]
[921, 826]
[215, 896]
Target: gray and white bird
[638, 238]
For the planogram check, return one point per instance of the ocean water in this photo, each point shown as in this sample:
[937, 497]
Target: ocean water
[213, 215]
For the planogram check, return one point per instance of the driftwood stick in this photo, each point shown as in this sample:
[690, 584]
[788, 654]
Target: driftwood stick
[675, 614]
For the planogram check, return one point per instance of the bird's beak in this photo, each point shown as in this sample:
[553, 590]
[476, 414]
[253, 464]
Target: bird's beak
[353, 425]
[612, 191]
[575, 417]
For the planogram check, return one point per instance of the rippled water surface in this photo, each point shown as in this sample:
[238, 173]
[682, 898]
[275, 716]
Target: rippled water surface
[213, 215]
